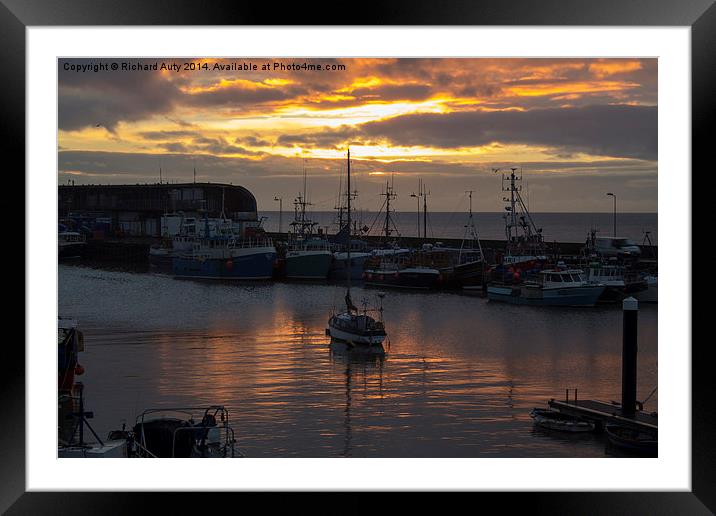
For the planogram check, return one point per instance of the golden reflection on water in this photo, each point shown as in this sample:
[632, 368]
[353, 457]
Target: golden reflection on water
[458, 378]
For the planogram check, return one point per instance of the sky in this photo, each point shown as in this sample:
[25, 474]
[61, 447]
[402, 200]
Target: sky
[577, 128]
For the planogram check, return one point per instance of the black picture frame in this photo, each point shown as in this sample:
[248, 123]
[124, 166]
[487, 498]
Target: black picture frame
[16, 15]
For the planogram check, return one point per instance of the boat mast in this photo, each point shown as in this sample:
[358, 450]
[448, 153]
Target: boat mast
[348, 263]
[389, 196]
[339, 205]
[303, 206]
[470, 228]
[425, 211]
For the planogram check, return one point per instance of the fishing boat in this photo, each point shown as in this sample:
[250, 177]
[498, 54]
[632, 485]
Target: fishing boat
[182, 432]
[70, 341]
[179, 233]
[70, 244]
[343, 239]
[553, 287]
[72, 418]
[468, 272]
[525, 245]
[651, 293]
[351, 326]
[632, 439]
[390, 275]
[400, 268]
[308, 255]
[355, 265]
[73, 426]
[618, 280]
[555, 420]
[227, 256]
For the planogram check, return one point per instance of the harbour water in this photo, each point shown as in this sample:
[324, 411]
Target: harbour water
[562, 227]
[458, 380]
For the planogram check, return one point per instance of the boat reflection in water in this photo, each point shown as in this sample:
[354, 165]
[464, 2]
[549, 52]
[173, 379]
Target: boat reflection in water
[353, 363]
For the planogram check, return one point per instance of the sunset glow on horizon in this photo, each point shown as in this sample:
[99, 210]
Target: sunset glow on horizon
[576, 126]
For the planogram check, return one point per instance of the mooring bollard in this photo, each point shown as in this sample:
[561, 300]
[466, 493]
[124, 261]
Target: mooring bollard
[630, 307]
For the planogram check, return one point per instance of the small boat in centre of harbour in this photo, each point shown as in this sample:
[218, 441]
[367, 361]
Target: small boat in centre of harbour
[352, 326]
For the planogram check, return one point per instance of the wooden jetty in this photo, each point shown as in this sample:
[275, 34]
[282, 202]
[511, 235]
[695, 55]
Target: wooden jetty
[600, 413]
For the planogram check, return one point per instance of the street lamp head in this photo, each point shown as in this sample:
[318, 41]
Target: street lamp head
[610, 193]
[276, 198]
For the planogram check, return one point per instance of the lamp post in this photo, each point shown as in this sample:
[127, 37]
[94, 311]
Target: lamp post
[280, 211]
[615, 213]
[417, 196]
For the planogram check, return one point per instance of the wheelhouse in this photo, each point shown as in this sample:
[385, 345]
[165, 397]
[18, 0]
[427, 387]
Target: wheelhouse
[561, 278]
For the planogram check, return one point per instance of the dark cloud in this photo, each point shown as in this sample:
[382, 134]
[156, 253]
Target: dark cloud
[238, 95]
[167, 135]
[252, 141]
[617, 131]
[174, 147]
[323, 138]
[391, 92]
[87, 99]
[104, 98]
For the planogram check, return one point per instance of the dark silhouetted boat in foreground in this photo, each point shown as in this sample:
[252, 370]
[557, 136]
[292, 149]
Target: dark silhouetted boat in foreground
[632, 439]
[181, 432]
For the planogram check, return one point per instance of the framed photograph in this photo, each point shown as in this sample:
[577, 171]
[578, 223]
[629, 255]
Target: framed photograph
[415, 256]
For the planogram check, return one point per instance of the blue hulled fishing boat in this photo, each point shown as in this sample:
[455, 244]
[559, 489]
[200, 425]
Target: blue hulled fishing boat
[226, 255]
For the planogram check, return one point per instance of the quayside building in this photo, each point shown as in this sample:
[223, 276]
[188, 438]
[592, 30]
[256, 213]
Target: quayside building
[137, 210]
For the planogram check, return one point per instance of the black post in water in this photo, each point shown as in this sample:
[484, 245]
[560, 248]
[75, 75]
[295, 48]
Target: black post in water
[630, 306]
[80, 387]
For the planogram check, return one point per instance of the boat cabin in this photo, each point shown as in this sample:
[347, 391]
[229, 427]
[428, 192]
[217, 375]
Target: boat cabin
[561, 278]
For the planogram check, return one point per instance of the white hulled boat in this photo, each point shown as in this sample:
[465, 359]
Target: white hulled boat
[552, 288]
[354, 327]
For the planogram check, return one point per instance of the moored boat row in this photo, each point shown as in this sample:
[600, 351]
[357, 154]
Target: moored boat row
[525, 273]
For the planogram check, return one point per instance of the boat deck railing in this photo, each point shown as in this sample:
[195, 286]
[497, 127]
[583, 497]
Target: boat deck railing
[227, 436]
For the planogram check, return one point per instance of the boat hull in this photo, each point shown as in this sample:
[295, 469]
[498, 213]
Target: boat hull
[340, 264]
[469, 275]
[352, 338]
[409, 278]
[71, 250]
[630, 439]
[161, 260]
[650, 294]
[109, 450]
[308, 264]
[244, 264]
[570, 296]
[560, 422]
